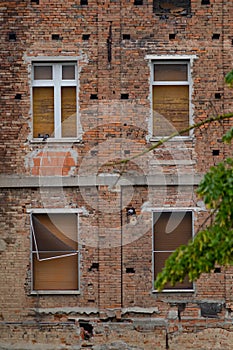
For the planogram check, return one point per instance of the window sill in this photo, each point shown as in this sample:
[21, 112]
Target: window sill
[55, 292]
[174, 139]
[54, 141]
[174, 291]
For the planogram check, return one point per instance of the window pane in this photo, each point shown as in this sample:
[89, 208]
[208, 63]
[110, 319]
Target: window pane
[55, 274]
[68, 72]
[68, 111]
[170, 72]
[43, 111]
[43, 73]
[159, 262]
[171, 229]
[170, 109]
[55, 233]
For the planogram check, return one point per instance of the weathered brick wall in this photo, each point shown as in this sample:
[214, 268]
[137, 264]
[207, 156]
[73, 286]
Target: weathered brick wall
[111, 40]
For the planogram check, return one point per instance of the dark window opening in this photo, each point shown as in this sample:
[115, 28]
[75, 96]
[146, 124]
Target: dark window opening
[83, 2]
[35, 2]
[173, 7]
[205, 2]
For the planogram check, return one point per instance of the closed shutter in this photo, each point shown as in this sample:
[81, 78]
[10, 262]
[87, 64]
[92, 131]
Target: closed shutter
[43, 111]
[170, 109]
[171, 229]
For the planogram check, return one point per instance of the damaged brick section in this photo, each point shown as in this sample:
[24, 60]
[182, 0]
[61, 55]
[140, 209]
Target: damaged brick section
[172, 7]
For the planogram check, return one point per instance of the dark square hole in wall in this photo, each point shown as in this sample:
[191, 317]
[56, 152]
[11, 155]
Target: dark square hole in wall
[56, 37]
[172, 36]
[126, 36]
[215, 36]
[174, 7]
[94, 266]
[18, 97]
[217, 95]
[232, 42]
[86, 36]
[205, 2]
[12, 36]
[124, 96]
[86, 330]
[210, 310]
[130, 270]
[83, 2]
[94, 97]
[37, 2]
[217, 270]
[138, 2]
[215, 152]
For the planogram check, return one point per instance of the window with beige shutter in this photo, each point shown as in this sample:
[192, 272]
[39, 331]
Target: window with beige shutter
[171, 97]
[55, 253]
[54, 99]
[170, 230]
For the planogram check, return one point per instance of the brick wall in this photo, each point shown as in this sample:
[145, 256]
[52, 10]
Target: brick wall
[110, 41]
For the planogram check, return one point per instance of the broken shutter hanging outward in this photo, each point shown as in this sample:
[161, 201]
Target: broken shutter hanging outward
[54, 235]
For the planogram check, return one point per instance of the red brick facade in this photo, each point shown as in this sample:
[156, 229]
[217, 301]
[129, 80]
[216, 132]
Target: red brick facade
[114, 44]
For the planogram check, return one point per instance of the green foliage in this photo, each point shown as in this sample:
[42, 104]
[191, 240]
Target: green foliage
[229, 78]
[214, 244]
[228, 136]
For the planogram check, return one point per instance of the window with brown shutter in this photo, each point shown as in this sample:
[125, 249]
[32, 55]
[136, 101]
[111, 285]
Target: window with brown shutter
[55, 254]
[54, 99]
[170, 96]
[170, 230]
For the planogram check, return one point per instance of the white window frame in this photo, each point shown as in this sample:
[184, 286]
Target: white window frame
[56, 82]
[53, 211]
[175, 210]
[170, 59]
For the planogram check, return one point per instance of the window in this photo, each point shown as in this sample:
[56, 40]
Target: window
[174, 7]
[170, 96]
[54, 253]
[54, 99]
[170, 230]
